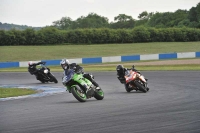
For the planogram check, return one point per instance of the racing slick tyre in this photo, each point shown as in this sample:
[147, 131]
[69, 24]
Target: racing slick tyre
[53, 78]
[127, 89]
[140, 87]
[99, 94]
[78, 93]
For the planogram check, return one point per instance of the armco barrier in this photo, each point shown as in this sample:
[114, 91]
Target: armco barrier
[94, 60]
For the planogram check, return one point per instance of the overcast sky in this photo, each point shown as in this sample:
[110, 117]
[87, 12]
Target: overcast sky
[38, 13]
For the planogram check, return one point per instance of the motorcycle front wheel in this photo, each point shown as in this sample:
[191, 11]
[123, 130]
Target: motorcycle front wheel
[78, 93]
[140, 87]
[42, 81]
[127, 89]
[53, 78]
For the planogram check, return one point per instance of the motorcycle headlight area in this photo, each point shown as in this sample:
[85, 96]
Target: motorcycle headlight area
[134, 76]
[66, 78]
[46, 71]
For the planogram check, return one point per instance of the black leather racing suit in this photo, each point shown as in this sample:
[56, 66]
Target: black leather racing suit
[33, 70]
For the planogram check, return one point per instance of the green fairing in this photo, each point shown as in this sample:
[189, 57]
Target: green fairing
[81, 80]
[68, 87]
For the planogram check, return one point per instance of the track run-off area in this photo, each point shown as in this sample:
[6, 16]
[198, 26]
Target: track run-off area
[172, 105]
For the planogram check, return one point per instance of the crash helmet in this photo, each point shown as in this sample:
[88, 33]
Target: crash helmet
[119, 67]
[64, 64]
[120, 70]
[30, 63]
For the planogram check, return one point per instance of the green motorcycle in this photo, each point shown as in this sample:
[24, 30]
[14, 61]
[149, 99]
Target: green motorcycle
[81, 88]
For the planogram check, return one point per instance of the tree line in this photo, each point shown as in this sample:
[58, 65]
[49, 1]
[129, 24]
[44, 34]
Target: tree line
[179, 18]
[51, 35]
[7, 26]
[181, 25]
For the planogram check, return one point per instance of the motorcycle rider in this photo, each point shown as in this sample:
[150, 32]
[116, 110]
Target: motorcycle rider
[121, 70]
[33, 70]
[65, 64]
[121, 73]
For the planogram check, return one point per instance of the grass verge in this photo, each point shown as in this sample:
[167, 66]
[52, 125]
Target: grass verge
[12, 92]
[50, 52]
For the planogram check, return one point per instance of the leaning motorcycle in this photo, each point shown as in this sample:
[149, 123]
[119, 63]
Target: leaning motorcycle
[44, 75]
[81, 88]
[134, 81]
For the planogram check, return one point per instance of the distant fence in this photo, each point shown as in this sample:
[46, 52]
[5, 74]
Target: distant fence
[95, 60]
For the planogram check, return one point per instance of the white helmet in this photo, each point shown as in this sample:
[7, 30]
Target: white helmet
[64, 64]
[30, 63]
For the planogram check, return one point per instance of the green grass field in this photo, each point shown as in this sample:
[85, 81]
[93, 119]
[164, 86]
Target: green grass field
[50, 52]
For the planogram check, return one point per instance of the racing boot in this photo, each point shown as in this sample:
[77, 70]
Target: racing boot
[95, 84]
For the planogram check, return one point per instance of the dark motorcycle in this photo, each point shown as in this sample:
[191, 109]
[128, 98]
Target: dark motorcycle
[44, 75]
[133, 80]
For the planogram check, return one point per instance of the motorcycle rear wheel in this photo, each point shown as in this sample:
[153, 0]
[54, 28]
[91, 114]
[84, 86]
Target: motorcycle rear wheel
[78, 93]
[99, 94]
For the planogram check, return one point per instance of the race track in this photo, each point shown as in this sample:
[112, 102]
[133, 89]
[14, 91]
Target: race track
[171, 106]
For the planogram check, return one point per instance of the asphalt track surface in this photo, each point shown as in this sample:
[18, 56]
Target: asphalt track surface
[171, 106]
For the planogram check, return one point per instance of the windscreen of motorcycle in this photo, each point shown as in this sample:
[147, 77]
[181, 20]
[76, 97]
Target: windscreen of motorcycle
[131, 75]
[68, 76]
[127, 73]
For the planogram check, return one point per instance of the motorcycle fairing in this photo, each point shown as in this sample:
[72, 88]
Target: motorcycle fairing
[132, 75]
[77, 78]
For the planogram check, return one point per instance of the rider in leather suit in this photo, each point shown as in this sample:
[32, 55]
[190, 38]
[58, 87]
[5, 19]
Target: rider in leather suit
[65, 64]
[121, 73]
[32, 68]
